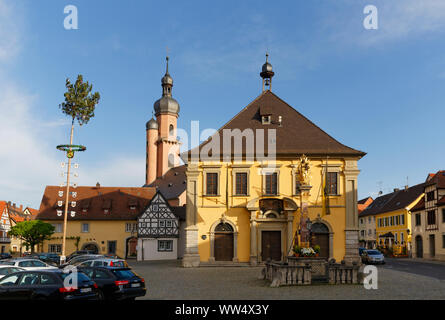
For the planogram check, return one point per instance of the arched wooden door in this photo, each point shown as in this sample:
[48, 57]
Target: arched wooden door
[131, 247]
[223, 242]
[320, 237]
[419, 247]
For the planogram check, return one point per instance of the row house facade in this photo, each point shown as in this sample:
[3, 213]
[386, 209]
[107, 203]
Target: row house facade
[391, 214]
[428, 220]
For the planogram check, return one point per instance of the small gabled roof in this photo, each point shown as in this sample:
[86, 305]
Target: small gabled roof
[294, 135]
[364, 200]
[179, 212]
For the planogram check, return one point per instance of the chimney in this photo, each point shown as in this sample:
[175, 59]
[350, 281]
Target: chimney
[13, 205]
[21, 207]
[406, 187]
[396, 189]
[98, 185]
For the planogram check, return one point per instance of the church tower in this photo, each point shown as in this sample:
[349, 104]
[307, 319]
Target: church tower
[162, 143]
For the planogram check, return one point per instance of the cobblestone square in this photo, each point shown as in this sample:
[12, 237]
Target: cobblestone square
[168, 280]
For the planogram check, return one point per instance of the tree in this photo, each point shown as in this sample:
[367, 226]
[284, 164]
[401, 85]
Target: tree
[79, 104]
[32, 233]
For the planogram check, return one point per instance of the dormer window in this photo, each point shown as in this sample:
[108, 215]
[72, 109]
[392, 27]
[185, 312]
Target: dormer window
[266, 119]
[266, 114]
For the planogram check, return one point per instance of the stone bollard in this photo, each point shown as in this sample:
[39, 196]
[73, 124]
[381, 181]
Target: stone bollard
[361, 274]
[276, 278]
[354, 272]
[307, 274]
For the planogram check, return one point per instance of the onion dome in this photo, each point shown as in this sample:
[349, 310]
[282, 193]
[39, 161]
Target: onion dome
[166, 104]
[152, 124]
[266, 70]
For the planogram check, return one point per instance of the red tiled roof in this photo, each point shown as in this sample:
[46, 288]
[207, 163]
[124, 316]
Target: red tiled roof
[97, 200]
[2, 206]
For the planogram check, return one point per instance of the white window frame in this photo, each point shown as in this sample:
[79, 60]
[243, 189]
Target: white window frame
[165, 245]
[82, 227]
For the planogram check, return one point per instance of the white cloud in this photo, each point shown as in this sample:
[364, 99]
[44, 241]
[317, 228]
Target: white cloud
[10, 35]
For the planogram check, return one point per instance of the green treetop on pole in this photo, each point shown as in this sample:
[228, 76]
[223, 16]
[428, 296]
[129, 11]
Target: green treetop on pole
[79, 104]
[79, 101]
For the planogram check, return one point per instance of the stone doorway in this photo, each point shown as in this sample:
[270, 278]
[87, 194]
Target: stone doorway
[320, 237]
[271, 245]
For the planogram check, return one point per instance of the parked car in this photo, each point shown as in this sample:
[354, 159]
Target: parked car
[50, 258]
[5, 270]
[373, 256]
[78, 253]
[116, 283]
[361, 250]
[45, 285]
[27, 264]
[81, 258]
[5, 255]
[103, 262]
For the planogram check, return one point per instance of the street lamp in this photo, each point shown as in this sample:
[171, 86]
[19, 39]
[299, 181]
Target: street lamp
[70, 149]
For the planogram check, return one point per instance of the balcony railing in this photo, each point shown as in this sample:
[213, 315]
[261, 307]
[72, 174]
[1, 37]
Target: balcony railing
[5, 240]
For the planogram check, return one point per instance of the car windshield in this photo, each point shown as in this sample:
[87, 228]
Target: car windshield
[7, 263]
[124, 274]
[373, 252]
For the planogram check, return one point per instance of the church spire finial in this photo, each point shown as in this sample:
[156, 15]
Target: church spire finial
[267, 74]
[166, 70]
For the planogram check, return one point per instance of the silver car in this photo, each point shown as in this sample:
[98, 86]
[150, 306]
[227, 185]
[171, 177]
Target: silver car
[373, 257]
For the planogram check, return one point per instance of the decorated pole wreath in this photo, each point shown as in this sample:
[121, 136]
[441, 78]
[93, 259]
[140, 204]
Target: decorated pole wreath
[79, 104]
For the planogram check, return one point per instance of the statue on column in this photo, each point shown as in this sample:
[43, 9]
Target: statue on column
[304, 178]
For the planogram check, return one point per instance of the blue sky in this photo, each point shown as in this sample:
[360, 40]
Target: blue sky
[380, 91]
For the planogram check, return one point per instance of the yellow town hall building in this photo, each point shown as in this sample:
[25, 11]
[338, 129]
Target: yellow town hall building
[252, 194]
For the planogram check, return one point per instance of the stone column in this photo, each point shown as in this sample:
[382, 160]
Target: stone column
[191, 256]
[351, 229]
[253, 239]
[290, 232]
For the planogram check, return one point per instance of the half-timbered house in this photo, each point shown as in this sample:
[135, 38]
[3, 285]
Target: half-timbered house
[160, 227]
